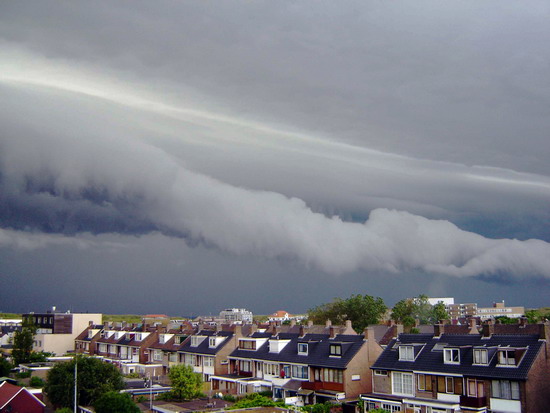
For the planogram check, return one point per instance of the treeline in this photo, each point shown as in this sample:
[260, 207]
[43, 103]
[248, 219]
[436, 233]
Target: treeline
[365, 310]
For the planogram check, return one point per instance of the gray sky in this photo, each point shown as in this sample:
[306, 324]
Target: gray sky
[183, 157]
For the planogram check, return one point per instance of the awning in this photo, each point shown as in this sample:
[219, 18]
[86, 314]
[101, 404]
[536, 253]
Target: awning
[292, 385]
[304, 392]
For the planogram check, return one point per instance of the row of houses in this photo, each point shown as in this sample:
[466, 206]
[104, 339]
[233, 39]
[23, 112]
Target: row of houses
[447, 368]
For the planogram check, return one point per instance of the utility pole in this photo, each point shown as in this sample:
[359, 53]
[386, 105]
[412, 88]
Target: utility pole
[75, 383]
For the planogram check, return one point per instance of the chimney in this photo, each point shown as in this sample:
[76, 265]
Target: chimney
[253, 328]
[292, 322]
[488, 329]
[523, 321]
[277, 330]
[310, 323]
[238, 330]
[328, 323]
[473, 326]
[439, 329]
[90, 323]
[398, 330]
[368, 334]
[544, 333]
[302, 331]
[332, 331]
[348, 325]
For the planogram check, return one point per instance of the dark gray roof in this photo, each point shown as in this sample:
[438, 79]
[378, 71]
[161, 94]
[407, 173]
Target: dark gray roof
[430, 357]
[318, 350]
[203, 347]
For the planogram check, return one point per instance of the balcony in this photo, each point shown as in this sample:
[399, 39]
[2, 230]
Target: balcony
[319, 385]
[466, 401]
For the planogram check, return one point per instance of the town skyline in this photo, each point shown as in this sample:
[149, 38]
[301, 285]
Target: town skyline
[185, 156]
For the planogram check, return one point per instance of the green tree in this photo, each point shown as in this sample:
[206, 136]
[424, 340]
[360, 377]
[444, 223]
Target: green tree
[361, 310]
[439, 312]
[409, 310]
[5, 367]
[115, 402]
[22, 343]
[94, 379]
[186, 384]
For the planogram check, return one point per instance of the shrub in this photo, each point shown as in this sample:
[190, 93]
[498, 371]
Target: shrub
[36, 382]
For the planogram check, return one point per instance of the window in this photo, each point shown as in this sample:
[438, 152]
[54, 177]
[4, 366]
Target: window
[189, 359]
[247, 344]
[103, 348]
[173, 357]
[212, 342]
[406, 353]
[208, 361]
[196, 340]
[300, 372]
[480, 356]
[507, 357]
[112, 349]
[333, 376]
[402, 383]
[380, 373]
[391, 407]
[475, 388]
[302, 349]
[271, 369]
[505, 389]
[157, 355]
[449, 384]
[421, 382]
[245, 366]
[451, 356]
[336, 350]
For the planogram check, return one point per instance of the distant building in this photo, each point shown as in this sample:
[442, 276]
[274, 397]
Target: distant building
[445, 300]
[236, 315]
[500, 310]
[56, 331]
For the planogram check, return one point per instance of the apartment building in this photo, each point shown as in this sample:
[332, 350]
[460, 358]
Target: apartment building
[56, 331]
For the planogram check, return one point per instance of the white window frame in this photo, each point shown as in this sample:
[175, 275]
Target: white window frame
[302, 349]
[406, 353]
[401, 382]
[335, 350]
[381, 373]
[504, 358]
[481, 356]
[449, 355]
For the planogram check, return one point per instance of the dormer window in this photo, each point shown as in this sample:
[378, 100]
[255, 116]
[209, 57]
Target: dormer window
[302, 349]
[509, 357]
[247, 344]
[335, 350]
[196, 340]
[406, 353]
[480, 356]
[212, 342]
[451, 356]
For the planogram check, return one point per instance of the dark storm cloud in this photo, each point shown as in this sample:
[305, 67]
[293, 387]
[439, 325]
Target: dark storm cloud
[60, 180]
[463, 82]
[271, 132]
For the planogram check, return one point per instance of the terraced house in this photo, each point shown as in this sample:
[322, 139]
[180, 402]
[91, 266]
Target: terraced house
[301, 364]
[503, 368]
[207, 351]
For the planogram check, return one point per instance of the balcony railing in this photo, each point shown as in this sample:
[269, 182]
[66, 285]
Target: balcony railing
[467, 401]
